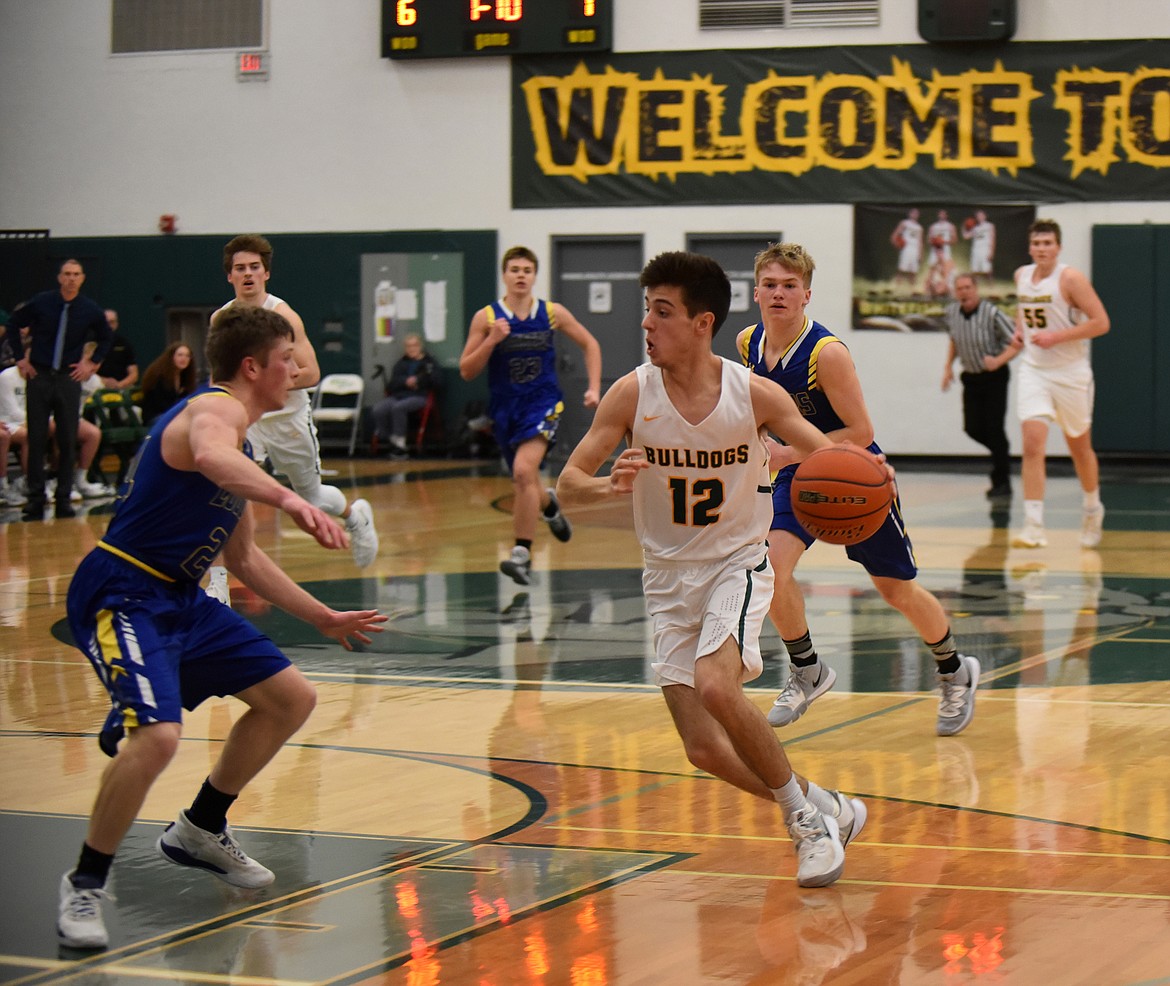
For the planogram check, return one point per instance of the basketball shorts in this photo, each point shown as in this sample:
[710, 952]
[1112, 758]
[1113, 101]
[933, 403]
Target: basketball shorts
[1061, 394]
[517, 422]
[909, 259]
[161, 647]
[695, 608]
[980, 260]
[887, 554]
[289, 439]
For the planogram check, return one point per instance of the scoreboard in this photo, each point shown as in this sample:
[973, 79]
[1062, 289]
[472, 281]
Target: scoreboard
[482, 28]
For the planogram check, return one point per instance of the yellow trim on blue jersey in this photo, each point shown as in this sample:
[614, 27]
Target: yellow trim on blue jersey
[550, 315]
[134, 561]
[812, 360]
[214, 391]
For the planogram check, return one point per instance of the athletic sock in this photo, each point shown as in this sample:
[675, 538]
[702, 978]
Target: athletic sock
[93, 868]
[209, 809]
[1034, 512]
[1092, 501]
[790, 797]
[525, 543]
[820, 799]
[946, 653]
[801, 651]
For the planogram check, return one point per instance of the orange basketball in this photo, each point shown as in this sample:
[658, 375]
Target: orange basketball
[938, 241]
[841, 494]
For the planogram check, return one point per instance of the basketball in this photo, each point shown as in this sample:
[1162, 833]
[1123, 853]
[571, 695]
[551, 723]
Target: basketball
[899, 240]
[841, 494]
[938, 241]
[969, 223]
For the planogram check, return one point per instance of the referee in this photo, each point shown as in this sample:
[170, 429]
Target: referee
[981, 337]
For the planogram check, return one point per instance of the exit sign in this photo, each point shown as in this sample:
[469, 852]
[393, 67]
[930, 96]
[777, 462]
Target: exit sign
[252, 66]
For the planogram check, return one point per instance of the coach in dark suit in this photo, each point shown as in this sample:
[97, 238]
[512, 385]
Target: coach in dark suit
[60, 323]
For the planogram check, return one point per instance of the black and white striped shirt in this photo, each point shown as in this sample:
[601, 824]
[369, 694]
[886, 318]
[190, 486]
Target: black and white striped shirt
[985, 331]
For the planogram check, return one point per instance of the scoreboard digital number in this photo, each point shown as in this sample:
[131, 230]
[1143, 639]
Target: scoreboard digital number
[481, 28]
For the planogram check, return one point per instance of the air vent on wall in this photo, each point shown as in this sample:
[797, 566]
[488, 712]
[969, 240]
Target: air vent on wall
[741, 14]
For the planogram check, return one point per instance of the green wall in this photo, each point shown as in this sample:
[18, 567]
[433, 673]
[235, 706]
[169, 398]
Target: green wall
[318, 273]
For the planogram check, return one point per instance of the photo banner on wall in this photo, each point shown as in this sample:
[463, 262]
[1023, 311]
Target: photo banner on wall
[906, 259]
[1052, 121]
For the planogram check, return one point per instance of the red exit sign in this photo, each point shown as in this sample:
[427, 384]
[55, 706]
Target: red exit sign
[252, 65]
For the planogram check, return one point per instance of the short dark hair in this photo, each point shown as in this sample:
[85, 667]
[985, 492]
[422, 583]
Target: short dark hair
[519, 251]
[1045, 226]
[704, 285]
[241, 331]
[247, 243]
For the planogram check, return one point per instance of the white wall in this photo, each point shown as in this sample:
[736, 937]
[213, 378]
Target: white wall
[339, 139]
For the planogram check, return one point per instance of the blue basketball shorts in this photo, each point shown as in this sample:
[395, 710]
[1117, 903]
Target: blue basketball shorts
[161, 647]
[516, 422]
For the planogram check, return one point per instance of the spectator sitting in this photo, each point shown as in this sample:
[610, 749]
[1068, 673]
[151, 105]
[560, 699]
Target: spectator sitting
[119, 369]
[167, 381]
[13, 418]
[411, 381]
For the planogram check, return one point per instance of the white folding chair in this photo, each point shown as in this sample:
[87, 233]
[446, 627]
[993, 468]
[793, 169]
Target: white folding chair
[339, 399]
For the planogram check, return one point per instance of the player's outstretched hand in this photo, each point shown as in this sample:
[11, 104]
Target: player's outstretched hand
[353, 623]
[625, 470]
[314, 520]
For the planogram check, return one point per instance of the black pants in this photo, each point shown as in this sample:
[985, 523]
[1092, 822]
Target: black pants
[984, 408]
[51, 392]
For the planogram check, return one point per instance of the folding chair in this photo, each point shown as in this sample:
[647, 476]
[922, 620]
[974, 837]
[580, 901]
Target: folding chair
[122, 429]
[339, 400]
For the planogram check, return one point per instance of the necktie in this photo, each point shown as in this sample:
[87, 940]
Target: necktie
[59, 345]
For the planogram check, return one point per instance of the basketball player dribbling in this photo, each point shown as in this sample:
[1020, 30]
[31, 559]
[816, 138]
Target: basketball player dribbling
[814, 366]
[697, 470]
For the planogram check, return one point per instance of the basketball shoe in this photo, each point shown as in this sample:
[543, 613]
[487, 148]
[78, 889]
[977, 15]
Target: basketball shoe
[799, 692]
[79, 916]
[820, 856]
[956, 705]
[1091, 524]
[518, 565]
[558, 523]
[189, 845]
[363, 538]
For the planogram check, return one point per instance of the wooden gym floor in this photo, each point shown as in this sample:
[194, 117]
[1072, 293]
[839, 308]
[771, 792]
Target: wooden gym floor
[493, 794]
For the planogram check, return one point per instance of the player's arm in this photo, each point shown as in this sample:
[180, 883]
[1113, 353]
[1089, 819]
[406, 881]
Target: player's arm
[303, 351]
[567, 323]
[1005, 332]
[579, 485]
[262, 575]
[776, 411]
[837, 377]
[482, 337]
[949, 368]
[207, 438]
[1082, 296]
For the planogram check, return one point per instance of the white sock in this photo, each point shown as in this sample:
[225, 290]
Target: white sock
[790, 797]
[1092, 501]
[822, 800]
[1034, 512]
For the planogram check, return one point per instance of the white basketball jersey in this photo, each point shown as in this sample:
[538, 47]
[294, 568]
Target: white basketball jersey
[1043, 306]
[707, 493]
[297, 400]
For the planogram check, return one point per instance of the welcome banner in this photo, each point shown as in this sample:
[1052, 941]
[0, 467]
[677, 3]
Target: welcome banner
[1015, 122]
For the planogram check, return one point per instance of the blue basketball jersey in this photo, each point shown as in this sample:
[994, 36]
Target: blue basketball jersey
[889, 552]
[169, 522]
[523, 366]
